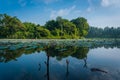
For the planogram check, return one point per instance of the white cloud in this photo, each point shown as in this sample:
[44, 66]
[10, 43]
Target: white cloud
[107, 3]
[77, 11]
[90, 8]
[22, 3]
[103, 21]
[61, 12]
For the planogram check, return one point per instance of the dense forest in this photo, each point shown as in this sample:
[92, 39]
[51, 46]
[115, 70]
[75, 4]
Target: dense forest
[106, 32]
[13, 28]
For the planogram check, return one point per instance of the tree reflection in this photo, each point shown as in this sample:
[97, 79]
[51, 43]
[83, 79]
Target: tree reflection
[47, 66]
[8, 55]
[85, 62]
[61, 52]
[67, 68]
[39, 67]
[58, 50]
[65, 51]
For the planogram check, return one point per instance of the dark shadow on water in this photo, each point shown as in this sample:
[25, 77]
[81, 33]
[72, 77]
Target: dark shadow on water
[92, 69]
[98, 70]
[85, 62]
[39, 68]
[67, 69]
[47, 75]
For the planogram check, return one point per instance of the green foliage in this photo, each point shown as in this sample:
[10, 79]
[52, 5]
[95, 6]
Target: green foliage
[12, 27]
[51, 25]
[82, 25]
[9, 26]
[62, 28]
[104, 33]
[42, 32]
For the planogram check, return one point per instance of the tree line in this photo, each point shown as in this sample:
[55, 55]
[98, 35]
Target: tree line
[107, 32]
[12, 27]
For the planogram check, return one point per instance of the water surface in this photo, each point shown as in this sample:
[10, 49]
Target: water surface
[59, 62]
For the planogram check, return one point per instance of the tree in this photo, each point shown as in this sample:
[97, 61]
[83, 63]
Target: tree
[12, 27]
[68, 28]
[106, 32]
[82, 25]
[42, 32]
[51, 25]
[9, 26]
[30, 29]
[62, 27]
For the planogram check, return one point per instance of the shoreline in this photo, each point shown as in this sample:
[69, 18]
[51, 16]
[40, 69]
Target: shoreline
[60, 40]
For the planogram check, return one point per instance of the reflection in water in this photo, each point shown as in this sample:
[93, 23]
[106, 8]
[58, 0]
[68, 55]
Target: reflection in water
[39, 67]
[98, 70]
[47, 66]
[59, 52]
[92, 69]
[67, 69]
[85, 62]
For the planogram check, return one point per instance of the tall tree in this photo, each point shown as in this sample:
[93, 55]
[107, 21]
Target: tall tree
[62, 27]
[10, 25]
[82, 25]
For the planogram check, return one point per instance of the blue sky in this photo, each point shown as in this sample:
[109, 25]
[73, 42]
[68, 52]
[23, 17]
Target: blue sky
[99, 13]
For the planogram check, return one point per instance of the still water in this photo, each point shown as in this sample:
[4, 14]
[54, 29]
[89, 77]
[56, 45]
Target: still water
[58, 62]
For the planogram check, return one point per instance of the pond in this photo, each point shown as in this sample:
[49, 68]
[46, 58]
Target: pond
[44, 61]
